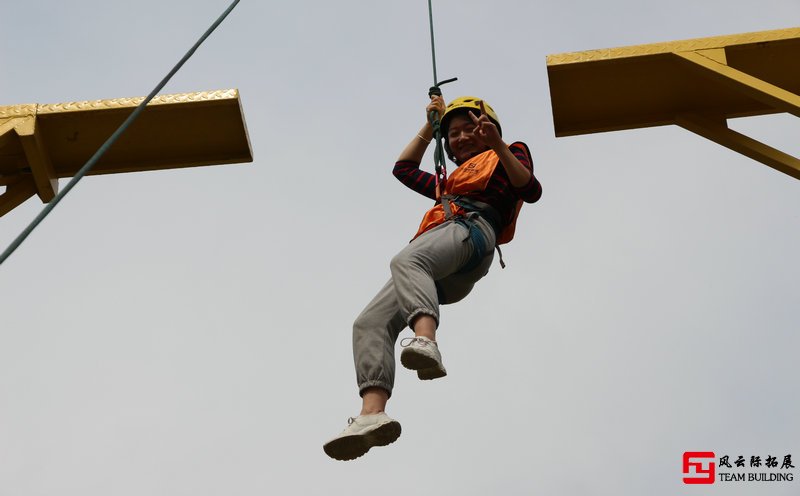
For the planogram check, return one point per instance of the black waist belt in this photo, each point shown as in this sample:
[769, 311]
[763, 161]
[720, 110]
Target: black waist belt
[488, 212]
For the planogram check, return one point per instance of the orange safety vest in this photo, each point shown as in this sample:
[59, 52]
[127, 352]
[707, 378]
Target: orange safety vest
[471, 176]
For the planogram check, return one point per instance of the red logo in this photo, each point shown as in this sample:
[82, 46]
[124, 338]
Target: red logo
[698, 467]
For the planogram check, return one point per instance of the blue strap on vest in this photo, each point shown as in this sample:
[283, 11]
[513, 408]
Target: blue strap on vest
[478, 243]
[488, 213]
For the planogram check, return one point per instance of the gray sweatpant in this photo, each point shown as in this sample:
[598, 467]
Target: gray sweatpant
[427, 272]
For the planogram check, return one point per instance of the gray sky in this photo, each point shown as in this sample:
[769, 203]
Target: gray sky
[188, 332]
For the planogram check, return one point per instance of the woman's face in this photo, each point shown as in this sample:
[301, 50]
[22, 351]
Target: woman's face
[462, 142]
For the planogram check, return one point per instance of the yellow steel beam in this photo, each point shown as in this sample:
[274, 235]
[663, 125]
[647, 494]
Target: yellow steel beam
[654, 49]
[41, 143]
[684, 83]
[17, 191]
[44, 174]
[766, 93]
[715, 129]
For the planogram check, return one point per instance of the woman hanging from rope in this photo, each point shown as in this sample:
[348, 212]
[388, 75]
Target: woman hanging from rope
[452, 250]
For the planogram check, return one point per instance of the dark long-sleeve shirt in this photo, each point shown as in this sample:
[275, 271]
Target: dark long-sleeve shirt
[499, 193]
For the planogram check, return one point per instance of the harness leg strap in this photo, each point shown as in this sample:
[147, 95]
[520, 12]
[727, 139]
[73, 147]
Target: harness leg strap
[448, 210]
[500, 254]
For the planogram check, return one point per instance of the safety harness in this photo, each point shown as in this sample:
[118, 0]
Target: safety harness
[485, 211]
[454, 204]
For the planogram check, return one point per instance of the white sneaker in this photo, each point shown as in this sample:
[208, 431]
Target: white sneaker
[422, 354]
[362, 433]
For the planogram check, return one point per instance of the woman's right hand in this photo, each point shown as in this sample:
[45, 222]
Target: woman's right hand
[437, 105]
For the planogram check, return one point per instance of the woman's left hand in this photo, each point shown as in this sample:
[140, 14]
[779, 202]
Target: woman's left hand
[485, 130]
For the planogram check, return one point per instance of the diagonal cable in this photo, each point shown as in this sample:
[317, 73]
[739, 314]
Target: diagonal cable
[112, 139]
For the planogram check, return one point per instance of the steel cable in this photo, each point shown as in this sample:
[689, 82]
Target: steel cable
[112, 139]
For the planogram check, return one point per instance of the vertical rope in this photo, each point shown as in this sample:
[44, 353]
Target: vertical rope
[111, 140]
[435, 118]
[433, 44]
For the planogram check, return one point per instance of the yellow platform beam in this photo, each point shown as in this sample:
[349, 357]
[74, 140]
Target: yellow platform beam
[41, 143]
[697, 84]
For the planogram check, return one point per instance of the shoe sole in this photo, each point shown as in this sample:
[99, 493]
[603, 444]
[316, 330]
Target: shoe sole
[427, 368]
[357, 445]
[431, 373]
[417, 361]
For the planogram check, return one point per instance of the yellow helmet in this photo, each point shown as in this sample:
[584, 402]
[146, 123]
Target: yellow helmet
[462, 105]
